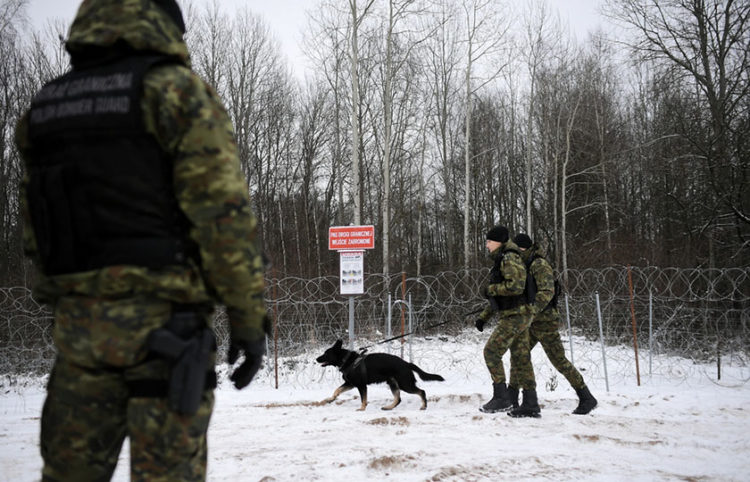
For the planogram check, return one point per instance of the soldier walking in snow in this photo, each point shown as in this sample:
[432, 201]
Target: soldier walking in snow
[544, 329]
[506, 293]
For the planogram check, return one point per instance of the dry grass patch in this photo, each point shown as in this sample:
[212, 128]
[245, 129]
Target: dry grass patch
[403, 421]
[389, 462]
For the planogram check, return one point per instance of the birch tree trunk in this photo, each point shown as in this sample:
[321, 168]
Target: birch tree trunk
[388, 120]
[354, 60]
[356, 103]
[485, 35]
[467, 159]
[563, 194]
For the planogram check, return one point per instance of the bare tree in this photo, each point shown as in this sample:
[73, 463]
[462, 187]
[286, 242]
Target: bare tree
[541, 35]
[242, 61]
[708, 43]
[564, 176]
[12, 15]
[357, 16]
[325, 43]
[314, 135]
[442, 62]
[46, 54]
[208, 33]
[485, 38]
[14, 93]
[606, 126]
[400, 42]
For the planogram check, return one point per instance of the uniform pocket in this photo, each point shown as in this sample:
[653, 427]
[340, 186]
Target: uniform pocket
[93, 332]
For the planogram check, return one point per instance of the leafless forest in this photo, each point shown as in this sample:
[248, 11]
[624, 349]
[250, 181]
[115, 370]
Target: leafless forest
[435, 119]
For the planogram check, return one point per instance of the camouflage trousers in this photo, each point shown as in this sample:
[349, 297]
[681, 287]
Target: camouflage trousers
[511, 333]
[89, 412]
[544, 330]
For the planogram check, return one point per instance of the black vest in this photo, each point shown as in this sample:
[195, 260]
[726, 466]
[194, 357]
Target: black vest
[100, 187]
[496, 276]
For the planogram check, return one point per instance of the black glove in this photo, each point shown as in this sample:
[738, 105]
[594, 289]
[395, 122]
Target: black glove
[254, 351]
[479, 324]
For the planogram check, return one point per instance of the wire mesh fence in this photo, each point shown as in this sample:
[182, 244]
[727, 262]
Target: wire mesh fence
[677, 320]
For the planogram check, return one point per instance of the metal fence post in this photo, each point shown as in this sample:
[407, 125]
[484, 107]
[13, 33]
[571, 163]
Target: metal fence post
[570, 330]
[411, 331]
[351, 322]
[404, 334]
[635, 326]
[388, 322]
[601, 338]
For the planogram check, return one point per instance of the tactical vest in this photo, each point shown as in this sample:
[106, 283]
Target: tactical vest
[100, 189]
[496, 276]
[531, 290]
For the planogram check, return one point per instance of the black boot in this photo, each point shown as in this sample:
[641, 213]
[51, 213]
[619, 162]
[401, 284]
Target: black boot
[513, 396]
[529, 406]
[586, 401]
[499, 400]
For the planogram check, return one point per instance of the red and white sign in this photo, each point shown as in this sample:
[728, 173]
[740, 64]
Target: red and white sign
[351, 237]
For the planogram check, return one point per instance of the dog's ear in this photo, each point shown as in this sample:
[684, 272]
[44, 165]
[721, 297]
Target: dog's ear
[338, 344]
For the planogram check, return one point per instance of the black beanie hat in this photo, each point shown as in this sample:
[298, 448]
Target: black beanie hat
[173, 10]
[498, 233]
[523, 241]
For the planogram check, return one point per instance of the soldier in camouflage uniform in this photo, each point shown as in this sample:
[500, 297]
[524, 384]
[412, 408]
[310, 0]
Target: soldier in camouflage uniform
[506, 292]
[138, 216]
[544, 328]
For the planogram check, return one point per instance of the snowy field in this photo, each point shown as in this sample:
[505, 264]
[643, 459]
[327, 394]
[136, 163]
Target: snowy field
[688, 429]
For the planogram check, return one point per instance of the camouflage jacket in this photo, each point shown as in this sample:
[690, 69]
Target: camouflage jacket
[544, 277]
[189, 122]
[510, 268]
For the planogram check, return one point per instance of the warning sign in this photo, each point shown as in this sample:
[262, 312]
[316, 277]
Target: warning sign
[351, 237]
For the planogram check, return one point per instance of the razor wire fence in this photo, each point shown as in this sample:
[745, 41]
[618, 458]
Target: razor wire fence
[679, 320]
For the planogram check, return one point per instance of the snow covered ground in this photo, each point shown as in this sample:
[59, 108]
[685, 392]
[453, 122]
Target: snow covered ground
[687, 429]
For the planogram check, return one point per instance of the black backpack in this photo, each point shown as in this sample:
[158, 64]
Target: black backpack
[558, 290]
[531, 286]
[530, 289]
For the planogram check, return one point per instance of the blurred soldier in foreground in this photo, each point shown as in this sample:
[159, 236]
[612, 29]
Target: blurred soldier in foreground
[138, 216]
[507, 297]
[544, 327]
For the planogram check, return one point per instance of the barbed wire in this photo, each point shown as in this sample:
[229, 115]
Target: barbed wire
[700, 316]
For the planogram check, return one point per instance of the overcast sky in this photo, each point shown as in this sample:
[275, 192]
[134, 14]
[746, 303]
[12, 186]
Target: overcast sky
[286, 18]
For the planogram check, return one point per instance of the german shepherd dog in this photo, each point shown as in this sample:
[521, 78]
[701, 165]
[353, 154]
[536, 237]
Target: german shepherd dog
[361, 370]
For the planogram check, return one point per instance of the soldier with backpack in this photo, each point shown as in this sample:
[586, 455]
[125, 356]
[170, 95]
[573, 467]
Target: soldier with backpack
[508, 302]
[544, 329]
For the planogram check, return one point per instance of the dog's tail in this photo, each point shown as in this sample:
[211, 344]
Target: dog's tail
[428, 377]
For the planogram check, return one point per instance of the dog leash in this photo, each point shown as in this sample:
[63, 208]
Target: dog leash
[401, 336]
[364, 348]
[479, 310]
